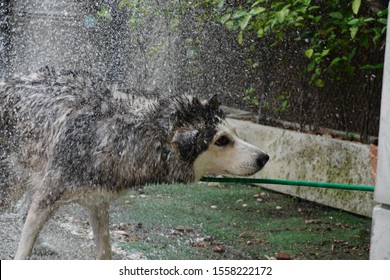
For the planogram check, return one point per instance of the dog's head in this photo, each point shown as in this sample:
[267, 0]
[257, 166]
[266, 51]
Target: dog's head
[228, 154]
[205, 140]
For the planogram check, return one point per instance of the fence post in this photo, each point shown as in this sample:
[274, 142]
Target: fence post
[380, 237]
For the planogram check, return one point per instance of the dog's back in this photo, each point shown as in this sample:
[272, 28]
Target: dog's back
[35, 114]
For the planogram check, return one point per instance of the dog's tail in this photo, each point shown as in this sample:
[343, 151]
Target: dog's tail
[4, 186]
[6, 169]
[4, 176]
[11, 191]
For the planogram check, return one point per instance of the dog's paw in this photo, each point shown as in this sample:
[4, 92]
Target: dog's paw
[43, 248]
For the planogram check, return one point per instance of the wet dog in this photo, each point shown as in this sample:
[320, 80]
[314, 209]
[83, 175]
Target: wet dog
[66, 137]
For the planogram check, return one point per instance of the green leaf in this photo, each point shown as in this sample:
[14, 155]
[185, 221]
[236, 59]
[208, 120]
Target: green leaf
[245, 21]
[239, 14]
[260, 32]
[255, 102]
[225, 18]
[353, 30]
[313, 8]
[371, 67]
[281, 15]
[337, 15]
[250, 90]
[230, 25]
[334, 61]
[319, 83]
[325, 52]
[382, 20]
[353, 21]
[369, 19]
[310, 67]
[257, 10]
[127, 4]
[356, 6]
[317, 19]
[257, 3]
[220, 4]
[284, 104]
[104, 13]
[382, 13]
[309, 53]
[240, 37]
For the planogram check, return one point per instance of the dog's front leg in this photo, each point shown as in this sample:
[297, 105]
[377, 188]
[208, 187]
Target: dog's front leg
[99, 219]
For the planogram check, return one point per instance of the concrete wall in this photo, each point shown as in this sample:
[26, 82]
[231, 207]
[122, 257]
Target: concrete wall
[300, 156]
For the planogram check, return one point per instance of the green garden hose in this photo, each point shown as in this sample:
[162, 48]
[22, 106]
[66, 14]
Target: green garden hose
[287, 182]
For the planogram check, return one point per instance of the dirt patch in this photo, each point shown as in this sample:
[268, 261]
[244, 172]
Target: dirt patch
[205, 222]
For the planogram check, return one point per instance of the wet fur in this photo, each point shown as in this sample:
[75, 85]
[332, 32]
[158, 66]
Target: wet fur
[66, 137]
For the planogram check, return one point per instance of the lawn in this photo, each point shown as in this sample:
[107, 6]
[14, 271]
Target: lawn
[211, 221]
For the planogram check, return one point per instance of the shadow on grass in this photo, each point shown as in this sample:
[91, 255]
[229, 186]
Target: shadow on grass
[235, 222]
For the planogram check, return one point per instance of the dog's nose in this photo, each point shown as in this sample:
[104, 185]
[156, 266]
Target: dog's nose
[262, 159]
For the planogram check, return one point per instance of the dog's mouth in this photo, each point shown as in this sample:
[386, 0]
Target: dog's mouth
[247, 169]
[244, 174]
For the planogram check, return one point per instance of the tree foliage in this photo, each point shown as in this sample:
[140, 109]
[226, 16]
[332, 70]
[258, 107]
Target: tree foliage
[334, 30]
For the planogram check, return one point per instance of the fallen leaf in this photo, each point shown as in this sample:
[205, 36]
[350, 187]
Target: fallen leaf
[214, 185]
[312, 222]
[219, 249]
[184, 228]
[120, 233]
[199, 244]
[283, 256]
[208, 238]
[133, 238]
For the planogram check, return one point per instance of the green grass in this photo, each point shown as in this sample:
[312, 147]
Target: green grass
[227, 222]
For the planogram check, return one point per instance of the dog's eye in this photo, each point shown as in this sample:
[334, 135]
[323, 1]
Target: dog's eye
[222, 141]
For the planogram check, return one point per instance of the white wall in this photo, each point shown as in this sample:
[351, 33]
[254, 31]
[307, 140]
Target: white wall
[300, 156]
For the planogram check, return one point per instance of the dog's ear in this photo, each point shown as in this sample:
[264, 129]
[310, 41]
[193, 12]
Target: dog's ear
[214, 102]
[185, 141]
[185, 137]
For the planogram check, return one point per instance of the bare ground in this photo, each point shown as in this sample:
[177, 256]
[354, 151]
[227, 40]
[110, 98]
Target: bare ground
[68, 232]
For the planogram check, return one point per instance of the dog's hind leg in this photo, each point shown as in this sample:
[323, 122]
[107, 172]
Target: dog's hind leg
[41, 247]
[99, 219]
[36, 218]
